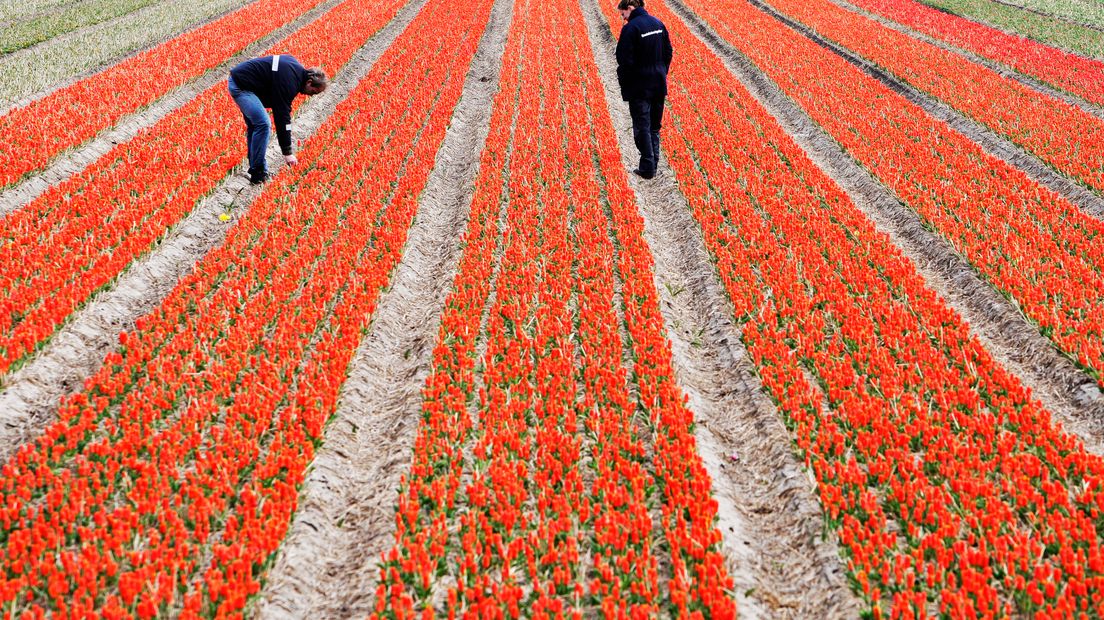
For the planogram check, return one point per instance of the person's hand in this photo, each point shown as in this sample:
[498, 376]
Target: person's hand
[291, 160]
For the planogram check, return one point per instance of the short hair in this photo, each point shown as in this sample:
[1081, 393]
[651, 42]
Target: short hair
[624, 4]
[317, 76]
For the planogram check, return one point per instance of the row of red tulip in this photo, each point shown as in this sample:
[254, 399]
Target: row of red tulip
[1027, 241]
[699, 583]
[528, 376]
[190, 441]
[621, 494]
[430, 499]
[77, 237]
[37, 132]
[1076, 74]
[1061, 134]
[951, 490]
[405, 113]
[531, 502]
[526, 498]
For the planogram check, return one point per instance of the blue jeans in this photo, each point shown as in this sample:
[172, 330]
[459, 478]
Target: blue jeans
[647, 120]
[257, 126]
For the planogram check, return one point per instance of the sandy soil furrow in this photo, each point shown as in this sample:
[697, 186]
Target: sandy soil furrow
[1004, 70]
[1004, 331]
[73, 161]
[769, 513]
[32, 393]
[326, 566]
[993, 144]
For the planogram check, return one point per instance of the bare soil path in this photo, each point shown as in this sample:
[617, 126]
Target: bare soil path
[73, 161]
[770, 515]
[345, 520]
[1005, 332]
[31, 395]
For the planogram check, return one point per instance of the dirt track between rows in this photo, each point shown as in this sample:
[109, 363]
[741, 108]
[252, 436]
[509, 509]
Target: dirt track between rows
[769, 512]
[327, 564]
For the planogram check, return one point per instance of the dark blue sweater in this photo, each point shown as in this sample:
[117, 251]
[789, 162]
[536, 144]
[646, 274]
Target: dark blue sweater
[276, 80]
[643, 57]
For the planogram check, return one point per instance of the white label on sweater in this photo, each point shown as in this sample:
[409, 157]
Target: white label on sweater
[289, 128]
[648, 34]
[276, 62]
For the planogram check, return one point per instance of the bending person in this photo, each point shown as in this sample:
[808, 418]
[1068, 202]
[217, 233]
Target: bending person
[270, 82]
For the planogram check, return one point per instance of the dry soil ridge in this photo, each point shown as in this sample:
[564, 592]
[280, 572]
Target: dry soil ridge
[31, 396]
[1003, 330]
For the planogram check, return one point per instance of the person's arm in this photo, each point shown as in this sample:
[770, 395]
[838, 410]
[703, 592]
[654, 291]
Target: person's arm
[626, 49]
[626, 54]
[668, 51]
[281, 115]
[288, 82]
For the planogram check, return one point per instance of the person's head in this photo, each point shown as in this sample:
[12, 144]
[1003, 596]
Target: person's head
[316, 81]
[626, 7]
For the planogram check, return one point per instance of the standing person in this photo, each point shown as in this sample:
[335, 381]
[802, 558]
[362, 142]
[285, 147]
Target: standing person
[643, 59]
[271, 82]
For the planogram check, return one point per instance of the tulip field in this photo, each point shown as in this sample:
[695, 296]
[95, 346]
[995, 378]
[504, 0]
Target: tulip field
[560, 452]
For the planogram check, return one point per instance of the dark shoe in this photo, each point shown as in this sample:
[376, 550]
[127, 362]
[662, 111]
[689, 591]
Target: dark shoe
[258, 178]
[638, 172]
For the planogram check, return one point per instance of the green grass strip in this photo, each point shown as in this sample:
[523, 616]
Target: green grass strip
[14, 10]
[34, 29]
[1089, 12]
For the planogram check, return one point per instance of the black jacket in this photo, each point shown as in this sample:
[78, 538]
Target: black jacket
[276, 80]
[643, 57]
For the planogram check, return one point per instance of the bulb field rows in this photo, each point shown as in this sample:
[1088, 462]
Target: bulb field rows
[546, 405]
[1065, 136]
[80, 234]
[556, 465]
[1079, 75]
[872, 372]
[1032, 244]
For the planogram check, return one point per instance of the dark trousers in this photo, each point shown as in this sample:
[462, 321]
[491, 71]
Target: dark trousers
[647, 119]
